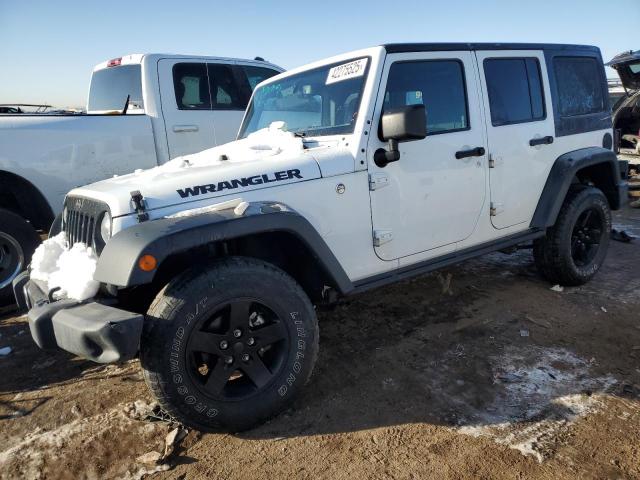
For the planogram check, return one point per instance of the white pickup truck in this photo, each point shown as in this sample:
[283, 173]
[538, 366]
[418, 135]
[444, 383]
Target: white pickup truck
[142, 111]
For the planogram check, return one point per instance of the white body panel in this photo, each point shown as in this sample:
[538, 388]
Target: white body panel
[57, 153]
[433, 199]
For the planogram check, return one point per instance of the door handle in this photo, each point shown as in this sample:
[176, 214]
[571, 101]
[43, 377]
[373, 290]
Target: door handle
[541, 141]
[474, 152]
[185, 128]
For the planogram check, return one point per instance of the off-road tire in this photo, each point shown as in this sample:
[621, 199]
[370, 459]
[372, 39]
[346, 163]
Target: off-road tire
[195, 311]
[18, 241]
[554, 253]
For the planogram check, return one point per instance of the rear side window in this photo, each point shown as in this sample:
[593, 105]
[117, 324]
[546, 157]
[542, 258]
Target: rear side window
[579, 81]
[515, 90]
[191, 85]
[439, 85]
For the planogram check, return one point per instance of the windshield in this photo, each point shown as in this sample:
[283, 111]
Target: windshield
[110, 87]
[322, 101]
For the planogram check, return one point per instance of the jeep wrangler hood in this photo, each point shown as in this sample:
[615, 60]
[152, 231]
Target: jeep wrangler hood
[267, 158]
[627, 64]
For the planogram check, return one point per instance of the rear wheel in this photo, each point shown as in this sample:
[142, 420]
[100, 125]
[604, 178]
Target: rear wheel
[574, 249]
[229, 345]
[18, 241]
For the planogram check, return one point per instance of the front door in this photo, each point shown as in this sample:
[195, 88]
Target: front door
[520, 131]
[434, 194]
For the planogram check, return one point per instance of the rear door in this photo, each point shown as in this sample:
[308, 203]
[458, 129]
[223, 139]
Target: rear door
[520, 131]
[434, 194]
[186, 106]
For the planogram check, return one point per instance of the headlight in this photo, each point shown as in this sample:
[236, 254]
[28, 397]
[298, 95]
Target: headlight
[105, 227]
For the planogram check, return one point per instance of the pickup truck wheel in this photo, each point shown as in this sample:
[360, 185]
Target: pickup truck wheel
[229, 345]
[574, 249]
[18, 241]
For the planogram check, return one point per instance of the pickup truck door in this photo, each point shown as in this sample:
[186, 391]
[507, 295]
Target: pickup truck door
[434, 194]
[186, 105]
[520, 132]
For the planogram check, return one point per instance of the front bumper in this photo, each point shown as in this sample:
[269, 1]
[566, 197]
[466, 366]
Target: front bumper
[90, 330]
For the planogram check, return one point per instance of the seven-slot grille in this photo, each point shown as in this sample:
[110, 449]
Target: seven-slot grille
[81, 220]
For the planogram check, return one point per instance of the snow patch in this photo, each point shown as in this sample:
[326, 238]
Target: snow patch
[70, 269]
[543, 391]
[4, 351]
[265, 142]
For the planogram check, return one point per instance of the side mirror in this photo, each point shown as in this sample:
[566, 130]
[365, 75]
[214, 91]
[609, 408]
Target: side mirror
[400, 125]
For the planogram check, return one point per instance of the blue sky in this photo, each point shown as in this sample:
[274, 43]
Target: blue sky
[48, 48]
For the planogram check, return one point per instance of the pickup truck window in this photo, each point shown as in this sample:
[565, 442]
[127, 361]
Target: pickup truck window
[226, 88]
[515, 90]
[110, 87]
[322, 101]
[255, 75]
[579, 85]
[191, 84]
[439, 85]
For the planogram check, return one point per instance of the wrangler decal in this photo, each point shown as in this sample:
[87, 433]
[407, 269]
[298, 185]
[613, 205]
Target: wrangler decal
[238, 182]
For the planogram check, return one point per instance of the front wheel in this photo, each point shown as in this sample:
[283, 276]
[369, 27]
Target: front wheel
[229, 345]
[574, 249]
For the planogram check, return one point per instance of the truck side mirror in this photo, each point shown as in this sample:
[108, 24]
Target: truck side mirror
[400, 125]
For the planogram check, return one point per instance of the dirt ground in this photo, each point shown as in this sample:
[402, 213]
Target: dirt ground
[479, 371]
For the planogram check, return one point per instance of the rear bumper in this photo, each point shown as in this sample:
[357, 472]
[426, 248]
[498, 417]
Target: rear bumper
[91, 330]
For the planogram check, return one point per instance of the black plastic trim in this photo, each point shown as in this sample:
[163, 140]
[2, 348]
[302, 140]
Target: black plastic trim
[444, 260]
[118, 263]
[438, 47]
[561, 176]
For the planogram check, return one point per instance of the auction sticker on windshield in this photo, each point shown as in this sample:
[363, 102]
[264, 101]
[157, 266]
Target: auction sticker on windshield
[346, 71]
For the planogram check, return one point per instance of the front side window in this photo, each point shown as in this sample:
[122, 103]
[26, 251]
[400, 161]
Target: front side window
[322, 101]
[579, 82]
[439, 85]
[255, 75]
[191, 86]
[226, 88]
[515, 90]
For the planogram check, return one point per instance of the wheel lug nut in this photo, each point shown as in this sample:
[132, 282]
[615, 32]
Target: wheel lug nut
[237, 333]
[228, 360]
[251, 341]
[224, 345]
[245, 357]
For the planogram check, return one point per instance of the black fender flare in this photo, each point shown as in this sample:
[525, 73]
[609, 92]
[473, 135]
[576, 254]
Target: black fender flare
[561, 176]
[118, 262]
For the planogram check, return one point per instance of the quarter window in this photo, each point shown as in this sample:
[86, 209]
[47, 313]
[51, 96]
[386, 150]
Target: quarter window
[515, 90]
[579, 82]
[439, 85]
[191, 86]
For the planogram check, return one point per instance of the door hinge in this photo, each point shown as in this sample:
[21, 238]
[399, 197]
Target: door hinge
[496, 209]
[378, 180]
[380, 237]
[493, 160]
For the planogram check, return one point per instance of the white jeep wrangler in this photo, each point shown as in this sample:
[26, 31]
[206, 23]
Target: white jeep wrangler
[349, 173]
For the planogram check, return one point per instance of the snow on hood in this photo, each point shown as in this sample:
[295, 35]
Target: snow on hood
[70, 269]
[271, 156]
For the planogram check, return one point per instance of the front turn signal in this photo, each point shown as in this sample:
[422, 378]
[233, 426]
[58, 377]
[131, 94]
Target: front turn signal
[147, 263]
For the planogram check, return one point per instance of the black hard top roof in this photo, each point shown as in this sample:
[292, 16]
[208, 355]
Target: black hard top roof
[435, 47]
